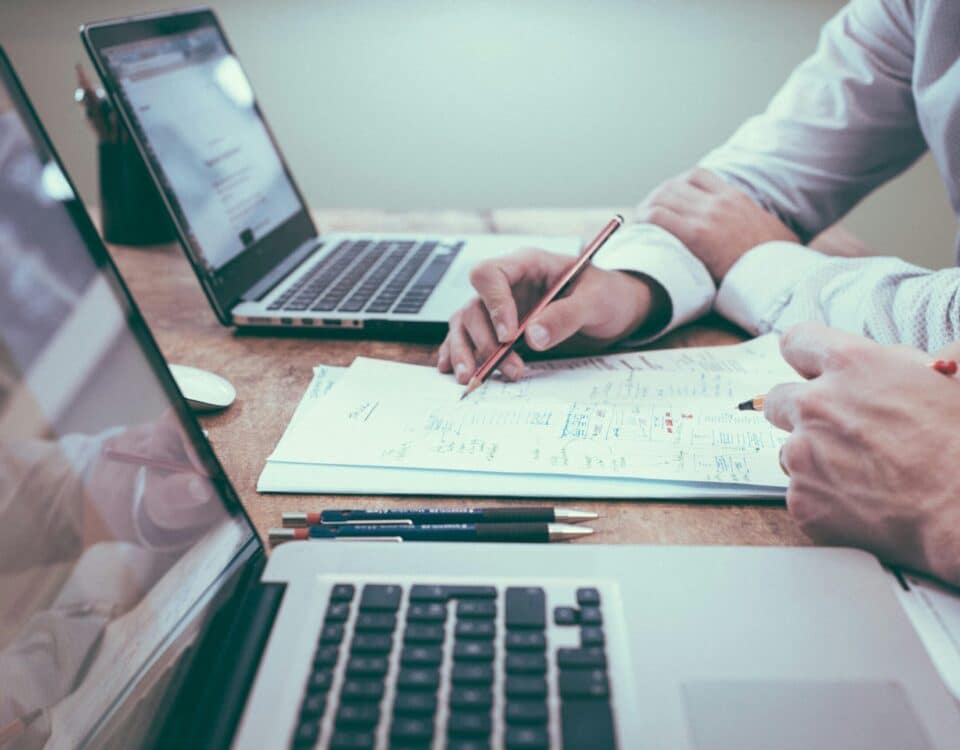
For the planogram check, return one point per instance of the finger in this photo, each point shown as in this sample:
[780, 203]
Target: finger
[176, 501]
[443, 357]
[780, 405]
[559, 321]
[681, 197]
[668, 219]
[479, 328]
[494, 282]
[706, 180]
[813, 348]
[461, 351]
[512, 367]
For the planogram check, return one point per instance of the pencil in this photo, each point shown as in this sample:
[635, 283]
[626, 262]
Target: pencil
[946, 367]
[568, 276]
[153, 463]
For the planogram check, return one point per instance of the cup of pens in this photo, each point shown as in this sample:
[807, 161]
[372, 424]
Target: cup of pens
[132, 212]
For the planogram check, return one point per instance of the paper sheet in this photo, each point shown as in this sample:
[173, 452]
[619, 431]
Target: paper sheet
[652, 416]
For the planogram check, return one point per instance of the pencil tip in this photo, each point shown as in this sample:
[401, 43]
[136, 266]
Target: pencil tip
[471, 387]
[745, 405]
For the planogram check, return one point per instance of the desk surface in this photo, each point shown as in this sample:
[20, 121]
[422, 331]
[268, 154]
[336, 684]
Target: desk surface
[271, 374]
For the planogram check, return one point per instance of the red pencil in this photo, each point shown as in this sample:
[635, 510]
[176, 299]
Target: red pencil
[569, 275]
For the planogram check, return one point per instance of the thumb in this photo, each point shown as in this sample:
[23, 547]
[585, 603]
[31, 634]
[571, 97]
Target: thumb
[559, 321]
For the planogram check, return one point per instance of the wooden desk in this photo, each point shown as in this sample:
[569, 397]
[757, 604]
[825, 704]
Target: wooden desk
[271, 373]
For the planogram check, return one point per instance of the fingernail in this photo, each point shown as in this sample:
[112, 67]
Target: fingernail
[511, 371]
[460, 369]
[199, 489]
[502, 333]
[538, 336]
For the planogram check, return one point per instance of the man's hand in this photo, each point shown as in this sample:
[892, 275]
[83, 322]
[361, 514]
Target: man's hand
[601, 307]
[717, 222]
[872, 450]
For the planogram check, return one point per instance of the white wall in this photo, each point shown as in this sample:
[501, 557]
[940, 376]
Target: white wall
[435, 103]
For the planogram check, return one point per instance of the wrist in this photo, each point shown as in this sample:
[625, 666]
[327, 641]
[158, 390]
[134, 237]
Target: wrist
[941, 544]
[652, 310]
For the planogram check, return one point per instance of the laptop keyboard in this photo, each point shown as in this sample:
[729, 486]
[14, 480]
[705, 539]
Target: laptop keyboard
[420, 669]
[370, 276]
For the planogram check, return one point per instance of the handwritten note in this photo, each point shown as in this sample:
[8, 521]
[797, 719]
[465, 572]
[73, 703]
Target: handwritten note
[672, 418]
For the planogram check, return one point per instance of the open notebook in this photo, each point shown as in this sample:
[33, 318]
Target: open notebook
[657, 424]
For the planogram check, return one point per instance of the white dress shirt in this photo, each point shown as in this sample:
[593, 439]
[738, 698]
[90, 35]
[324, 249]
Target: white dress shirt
[882, 87]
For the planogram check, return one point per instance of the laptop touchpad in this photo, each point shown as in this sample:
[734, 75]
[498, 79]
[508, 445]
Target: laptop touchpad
[774, 715]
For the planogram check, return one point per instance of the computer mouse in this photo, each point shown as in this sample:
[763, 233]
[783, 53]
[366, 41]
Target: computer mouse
[204, 391]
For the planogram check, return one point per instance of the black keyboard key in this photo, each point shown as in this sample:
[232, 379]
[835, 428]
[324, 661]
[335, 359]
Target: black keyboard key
[591, 616]
[524, 688]
[587, 725]
[376, 622]
[326, 656]
[421, 656]
[526, 608]
[472, 592]
[526, 712]
[466, 673]
[468, 724]
[468, 743]
[420, 633]
[367, 666]
[520, 662]
[361, 691]
[481, 630]
[331, 634]
[306, 734]
[342, 592]
[353, 715]
[427, 612]
[338, 612]
[476, 609]
[380, 598]
[423, 593]
[566, 616]
[415, 703]
[407, 730]
[410, 678]
[346, 740]
[581, 658]
[527, 738]
[314, 705]
[588, 597]
[471, 698]
[592, 636]
[371, 643]
[473, 651]
[584, 683]
[520, 640]
[319, 681]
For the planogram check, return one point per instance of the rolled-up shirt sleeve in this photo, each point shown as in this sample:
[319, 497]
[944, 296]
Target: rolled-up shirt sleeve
[843, 123]
[780, 284]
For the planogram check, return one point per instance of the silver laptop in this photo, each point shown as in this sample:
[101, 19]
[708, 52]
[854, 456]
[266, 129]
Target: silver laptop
[241, 218]
[138, 608]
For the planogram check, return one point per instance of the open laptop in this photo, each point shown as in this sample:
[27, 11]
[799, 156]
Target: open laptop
[241, 218]
[138, 609]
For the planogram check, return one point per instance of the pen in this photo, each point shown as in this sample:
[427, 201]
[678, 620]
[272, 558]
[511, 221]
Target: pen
[439, 515]
[946, 367]
[568, 276]
[153, 463]
[450, 532]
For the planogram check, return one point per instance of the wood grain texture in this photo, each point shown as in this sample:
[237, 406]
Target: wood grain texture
[271, 373]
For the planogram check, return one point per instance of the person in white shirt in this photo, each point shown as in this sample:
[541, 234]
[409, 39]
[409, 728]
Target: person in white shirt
[882, 88]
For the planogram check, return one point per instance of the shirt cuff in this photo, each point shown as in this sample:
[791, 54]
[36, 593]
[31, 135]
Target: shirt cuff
[654, 252]
[758, 287]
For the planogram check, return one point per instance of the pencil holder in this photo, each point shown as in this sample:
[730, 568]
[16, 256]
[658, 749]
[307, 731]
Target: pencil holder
[133, 212]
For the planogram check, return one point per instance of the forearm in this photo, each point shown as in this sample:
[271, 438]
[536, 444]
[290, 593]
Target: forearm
[778, 285]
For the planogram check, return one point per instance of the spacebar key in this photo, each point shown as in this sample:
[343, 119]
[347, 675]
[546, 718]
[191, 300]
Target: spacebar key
[587, 725]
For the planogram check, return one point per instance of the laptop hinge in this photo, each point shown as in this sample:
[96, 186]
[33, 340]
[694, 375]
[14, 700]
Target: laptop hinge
[279, 272]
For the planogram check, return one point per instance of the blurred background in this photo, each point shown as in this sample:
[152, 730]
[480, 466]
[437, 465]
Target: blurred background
[505, 103]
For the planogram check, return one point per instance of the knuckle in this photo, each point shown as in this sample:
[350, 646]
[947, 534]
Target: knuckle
[808, 405]
[481, 274]
[798, 454]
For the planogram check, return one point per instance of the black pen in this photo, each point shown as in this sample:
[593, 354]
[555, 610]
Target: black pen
[531, 514]
[448, 532]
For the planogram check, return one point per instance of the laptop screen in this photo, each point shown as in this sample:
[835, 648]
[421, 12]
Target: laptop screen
[194, 108]
[113, 533]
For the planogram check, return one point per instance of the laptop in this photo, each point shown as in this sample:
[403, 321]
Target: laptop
[140, 609]
[246, 228]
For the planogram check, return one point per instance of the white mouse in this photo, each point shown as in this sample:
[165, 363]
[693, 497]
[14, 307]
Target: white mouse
[204, 391]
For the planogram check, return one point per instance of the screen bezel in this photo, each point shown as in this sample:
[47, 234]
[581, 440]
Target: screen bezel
[226, 286]
[253, 548]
